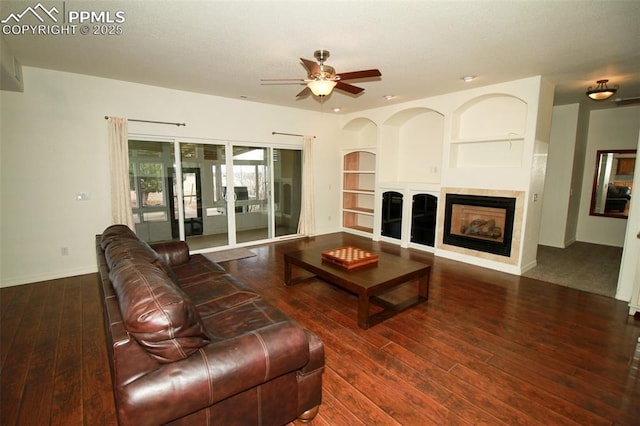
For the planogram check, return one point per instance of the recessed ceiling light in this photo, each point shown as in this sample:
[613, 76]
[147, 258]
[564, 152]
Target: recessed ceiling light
[468, 78]
[388, 97]
[336, 109]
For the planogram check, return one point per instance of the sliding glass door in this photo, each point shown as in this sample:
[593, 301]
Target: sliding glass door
[287, 190]
[250, 195]
[150, 168]
[210, 198]
[204, 204]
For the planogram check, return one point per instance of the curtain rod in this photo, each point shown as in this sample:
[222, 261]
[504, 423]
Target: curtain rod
[288, 134]
[106, 117]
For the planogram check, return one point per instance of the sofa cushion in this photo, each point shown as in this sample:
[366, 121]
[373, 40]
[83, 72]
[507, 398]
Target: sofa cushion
[116, 233]
[172, 252]
[135, 250]
[197, 269]
[157, 313]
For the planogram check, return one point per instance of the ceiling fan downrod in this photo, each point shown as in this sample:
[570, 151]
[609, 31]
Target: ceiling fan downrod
[321, 55]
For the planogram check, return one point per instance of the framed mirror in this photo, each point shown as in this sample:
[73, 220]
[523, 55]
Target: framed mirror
[613, 183]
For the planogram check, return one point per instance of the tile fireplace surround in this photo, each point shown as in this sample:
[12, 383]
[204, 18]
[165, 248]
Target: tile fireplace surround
[486, 224]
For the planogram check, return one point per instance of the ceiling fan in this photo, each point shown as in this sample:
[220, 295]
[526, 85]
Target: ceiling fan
[322, 79]
[627, 101]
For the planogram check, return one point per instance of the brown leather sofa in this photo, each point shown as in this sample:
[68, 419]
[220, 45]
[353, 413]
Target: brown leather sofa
[190, 344]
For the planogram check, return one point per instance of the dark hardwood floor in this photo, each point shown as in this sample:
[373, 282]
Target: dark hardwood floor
[487, 348]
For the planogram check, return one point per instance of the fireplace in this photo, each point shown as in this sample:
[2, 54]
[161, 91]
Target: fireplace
[478, 222]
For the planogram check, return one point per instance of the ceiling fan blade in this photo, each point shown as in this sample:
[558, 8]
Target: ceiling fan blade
[282, 79]
[282, 83]
[305, 92]
[346, 87]
[627, 101]
[312, 67]
[359, 74]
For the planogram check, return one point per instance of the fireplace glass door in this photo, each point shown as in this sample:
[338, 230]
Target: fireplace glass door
[480, 223]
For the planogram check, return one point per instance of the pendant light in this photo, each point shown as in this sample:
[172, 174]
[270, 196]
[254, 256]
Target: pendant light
[601, 92]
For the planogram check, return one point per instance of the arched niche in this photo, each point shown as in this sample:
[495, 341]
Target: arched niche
[411, 146]
[360, 133]
[490, 116]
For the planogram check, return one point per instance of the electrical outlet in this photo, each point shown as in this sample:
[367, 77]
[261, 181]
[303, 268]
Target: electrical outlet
[82, 196]
[64, 251]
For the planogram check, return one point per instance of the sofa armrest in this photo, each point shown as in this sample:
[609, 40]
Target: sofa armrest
[172, 252]
[213, 373]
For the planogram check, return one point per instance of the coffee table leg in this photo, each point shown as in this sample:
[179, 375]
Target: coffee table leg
[287, 271]
[423, 286]
[363, 311]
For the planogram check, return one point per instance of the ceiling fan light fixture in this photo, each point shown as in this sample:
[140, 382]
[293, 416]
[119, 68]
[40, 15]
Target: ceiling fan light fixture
[601, 92]
[321, 87]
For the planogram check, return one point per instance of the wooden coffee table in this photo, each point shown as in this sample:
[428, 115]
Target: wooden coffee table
[367, 282]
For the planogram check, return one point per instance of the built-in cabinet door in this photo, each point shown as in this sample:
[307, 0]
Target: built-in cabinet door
[413, 223]
[423, 219]
[392, 214]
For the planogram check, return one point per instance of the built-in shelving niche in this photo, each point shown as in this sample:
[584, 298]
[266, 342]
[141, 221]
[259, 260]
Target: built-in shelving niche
[359, 176]
[358, 191]
[488, 132]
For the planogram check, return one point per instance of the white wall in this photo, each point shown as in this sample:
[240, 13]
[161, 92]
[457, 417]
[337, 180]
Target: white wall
[613, 128]
[557, 189]
[538, 167]
[631, 251]
[578, 177]
[54, 145]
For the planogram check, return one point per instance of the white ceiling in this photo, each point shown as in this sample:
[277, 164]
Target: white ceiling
[422, 48]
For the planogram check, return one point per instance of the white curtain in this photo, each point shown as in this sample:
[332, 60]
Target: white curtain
[119, 163]
[307, 224]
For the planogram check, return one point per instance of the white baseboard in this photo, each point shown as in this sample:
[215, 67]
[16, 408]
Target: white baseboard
[528, 267]
[31, 279]
[484, 263]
